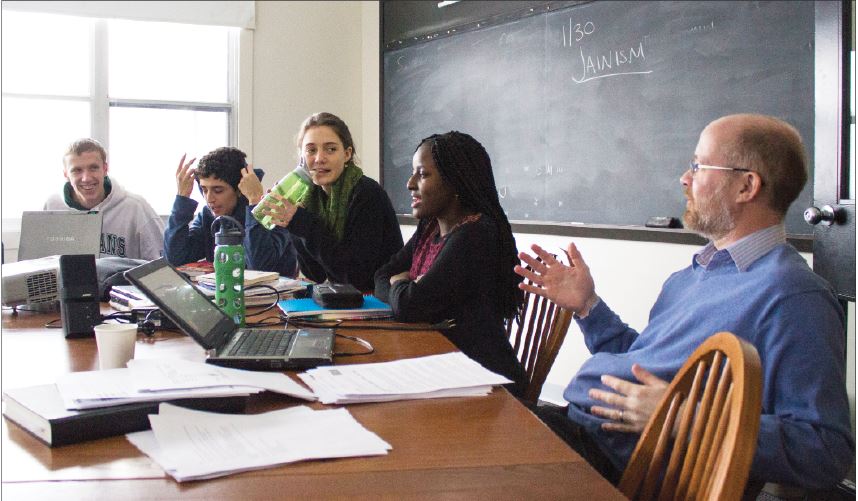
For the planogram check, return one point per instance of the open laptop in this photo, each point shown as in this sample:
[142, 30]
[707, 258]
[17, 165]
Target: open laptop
[225, 342]
[56, 232]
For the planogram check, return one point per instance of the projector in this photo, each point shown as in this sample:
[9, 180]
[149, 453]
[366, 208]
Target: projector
[32, 282]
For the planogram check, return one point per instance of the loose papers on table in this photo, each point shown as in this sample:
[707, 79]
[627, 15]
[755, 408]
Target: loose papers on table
[193, 445]
[435, 376]
[151, 380]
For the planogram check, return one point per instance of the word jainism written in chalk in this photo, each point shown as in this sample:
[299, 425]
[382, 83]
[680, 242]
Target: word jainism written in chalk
[601, 64]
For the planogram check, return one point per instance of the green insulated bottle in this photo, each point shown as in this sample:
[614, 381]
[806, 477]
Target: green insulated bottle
[229, 267]
[293, 187]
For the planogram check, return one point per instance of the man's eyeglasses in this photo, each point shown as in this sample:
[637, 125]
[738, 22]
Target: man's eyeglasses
[694, 166]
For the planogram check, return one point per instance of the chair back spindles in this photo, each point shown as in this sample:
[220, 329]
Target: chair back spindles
[707, 423]
[536, 336]
[668, 492]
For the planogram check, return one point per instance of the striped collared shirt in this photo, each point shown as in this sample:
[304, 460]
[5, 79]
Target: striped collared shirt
[748, 249]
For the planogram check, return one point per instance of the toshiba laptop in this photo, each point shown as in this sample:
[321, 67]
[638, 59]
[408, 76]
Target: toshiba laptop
[56, 232]
[227, 344]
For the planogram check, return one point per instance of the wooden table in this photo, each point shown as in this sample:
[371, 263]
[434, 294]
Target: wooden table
[455, 448]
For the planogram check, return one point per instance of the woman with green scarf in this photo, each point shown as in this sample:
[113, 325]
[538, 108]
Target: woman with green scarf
[345, 228]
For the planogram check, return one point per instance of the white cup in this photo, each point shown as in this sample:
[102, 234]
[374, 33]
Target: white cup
[115, 344]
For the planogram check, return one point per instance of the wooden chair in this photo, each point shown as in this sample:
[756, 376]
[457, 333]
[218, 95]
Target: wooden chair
[536, 336]
[716, 395]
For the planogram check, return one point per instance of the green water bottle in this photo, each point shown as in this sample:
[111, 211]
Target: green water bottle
[229, 267]
[293, 187]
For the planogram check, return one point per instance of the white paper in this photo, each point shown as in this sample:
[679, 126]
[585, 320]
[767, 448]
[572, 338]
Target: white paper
[90, 389]
[162, 375]
[435, 376]
[192, 445]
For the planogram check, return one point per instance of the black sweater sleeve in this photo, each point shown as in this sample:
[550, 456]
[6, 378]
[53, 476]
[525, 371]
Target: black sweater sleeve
[370, 237]
[460, 279]
[399, 262]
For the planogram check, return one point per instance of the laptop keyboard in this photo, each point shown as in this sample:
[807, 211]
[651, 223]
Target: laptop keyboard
[262, 342]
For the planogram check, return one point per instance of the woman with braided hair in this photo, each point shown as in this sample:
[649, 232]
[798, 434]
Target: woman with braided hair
[459, 263]
[346, 228]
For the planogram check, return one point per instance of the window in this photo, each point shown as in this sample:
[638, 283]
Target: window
[149, 91]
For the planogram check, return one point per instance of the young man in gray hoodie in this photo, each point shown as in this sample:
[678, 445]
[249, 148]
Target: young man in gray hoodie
[130, 227]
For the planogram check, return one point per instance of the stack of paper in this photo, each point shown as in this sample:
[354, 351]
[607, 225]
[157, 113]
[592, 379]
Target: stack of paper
[251, 277]
[193, 445]
[436, 376]
[128, 298]
[256, 295]
[153, 380]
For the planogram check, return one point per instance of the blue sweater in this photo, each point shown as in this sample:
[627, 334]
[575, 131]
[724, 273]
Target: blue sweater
[264, 250]
[787, 312]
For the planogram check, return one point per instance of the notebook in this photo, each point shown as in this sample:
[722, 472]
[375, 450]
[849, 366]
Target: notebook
[57, 232]
[225, 343]
[372, 309]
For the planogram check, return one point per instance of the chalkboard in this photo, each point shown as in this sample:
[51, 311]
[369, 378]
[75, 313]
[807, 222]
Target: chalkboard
[591, 113]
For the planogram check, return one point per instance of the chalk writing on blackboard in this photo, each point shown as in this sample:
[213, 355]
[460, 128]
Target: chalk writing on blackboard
[603, 63]
[607, 151]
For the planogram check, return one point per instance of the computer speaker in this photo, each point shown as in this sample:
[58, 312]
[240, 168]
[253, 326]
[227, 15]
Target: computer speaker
[78, 294]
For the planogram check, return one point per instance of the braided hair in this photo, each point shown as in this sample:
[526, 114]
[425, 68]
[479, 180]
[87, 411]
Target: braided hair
[465, 166]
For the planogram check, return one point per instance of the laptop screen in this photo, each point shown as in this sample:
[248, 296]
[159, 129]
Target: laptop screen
[168, 289]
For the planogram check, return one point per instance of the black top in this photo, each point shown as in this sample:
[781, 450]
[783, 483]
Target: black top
[462, 285]
[370, 237]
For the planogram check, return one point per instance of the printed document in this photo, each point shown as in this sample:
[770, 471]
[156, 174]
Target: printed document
[435, 376]
[193, 445]
[163, 374]
[107, 388]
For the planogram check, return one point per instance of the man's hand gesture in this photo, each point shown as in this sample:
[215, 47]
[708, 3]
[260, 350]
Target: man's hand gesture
[570, 287]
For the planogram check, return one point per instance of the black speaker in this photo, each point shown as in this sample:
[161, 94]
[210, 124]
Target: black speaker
[78, 295]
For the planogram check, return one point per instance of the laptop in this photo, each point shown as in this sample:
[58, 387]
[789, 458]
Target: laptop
[225, 343]
[57, 232]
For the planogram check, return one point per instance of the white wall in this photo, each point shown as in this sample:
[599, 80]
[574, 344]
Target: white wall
[310, 57]
[628, 277]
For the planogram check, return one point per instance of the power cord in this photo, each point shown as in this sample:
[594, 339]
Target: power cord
[358, 340]
[269, 307]
[265, 322]
[338, 324]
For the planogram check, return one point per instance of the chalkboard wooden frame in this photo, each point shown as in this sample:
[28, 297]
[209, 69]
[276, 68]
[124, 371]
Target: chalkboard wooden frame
[439, 30]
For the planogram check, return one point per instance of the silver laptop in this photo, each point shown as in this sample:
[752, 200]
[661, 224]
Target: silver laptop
[57, 232]
[225, 343]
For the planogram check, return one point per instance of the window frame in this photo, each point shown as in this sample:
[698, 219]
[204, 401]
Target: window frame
[239, 118]
[102, 102]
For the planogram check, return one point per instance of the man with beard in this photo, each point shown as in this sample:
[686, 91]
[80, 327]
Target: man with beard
[746, 171]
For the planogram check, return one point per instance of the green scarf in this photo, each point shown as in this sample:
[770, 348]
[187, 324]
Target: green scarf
[68, 194]
[334, 209]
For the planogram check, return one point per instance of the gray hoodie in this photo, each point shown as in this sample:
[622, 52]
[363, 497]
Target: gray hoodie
[130, 227]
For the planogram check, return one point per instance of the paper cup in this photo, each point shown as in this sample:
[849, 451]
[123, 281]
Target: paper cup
[115, 344]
